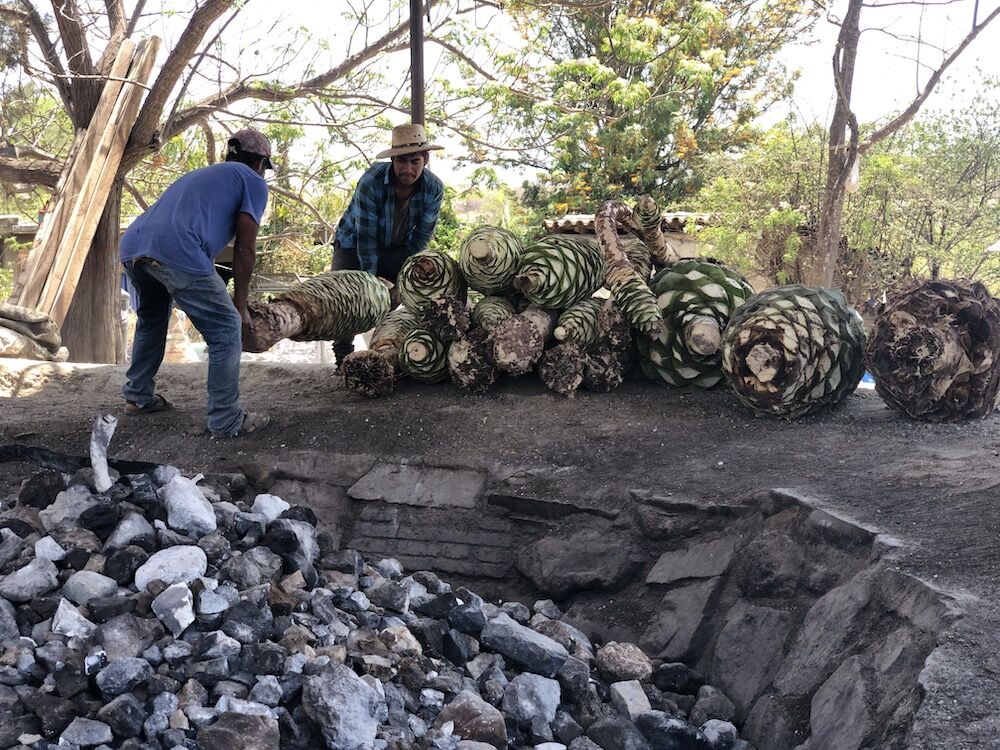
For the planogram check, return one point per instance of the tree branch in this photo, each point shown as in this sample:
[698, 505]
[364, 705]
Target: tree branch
[299, 199]
[142, 139]
[116, 17]
[49, 52]
[210, 146]
[461, 55]
[116, 35]
[74, 39]
[31, 171]
[134, 20]
[136, 195]
[273, 93]
[194, 69]
[907, 114]
[921, 3]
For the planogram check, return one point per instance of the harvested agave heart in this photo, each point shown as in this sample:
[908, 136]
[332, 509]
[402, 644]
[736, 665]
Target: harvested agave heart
[793, 350]
[935, 351]
[329, 306]
[697, 297]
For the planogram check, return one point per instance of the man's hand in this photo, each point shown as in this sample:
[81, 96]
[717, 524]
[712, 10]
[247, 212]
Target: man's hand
[393, 291]
[244, 312]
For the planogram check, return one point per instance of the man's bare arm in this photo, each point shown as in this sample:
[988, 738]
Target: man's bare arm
[244, 255]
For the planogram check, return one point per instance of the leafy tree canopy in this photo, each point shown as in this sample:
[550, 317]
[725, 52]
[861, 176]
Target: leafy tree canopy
[927, 204]
[618, 99]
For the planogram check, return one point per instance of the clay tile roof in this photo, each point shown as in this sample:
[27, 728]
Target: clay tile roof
[584, 223]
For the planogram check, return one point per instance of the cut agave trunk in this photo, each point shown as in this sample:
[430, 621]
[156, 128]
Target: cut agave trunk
[372, 373]
[424, 357]
[559, 270]
[489, 258]
[330, 306]
[604, 370]
[470, 362]
[697, 297]
[427, 276]
[561, 368]
[629, 289]
[608, 360]
[649, 220]
[578, 324]
[519, 341]
[613, 329]
[794, 349]
[446, 317]
[489, 312]
[935, 351]
[638, 255]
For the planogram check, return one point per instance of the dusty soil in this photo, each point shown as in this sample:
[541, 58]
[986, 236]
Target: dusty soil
[933, 487]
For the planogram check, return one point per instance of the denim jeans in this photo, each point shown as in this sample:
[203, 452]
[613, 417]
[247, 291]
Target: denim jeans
[206, 302]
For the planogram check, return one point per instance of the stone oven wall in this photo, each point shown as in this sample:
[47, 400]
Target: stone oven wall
[800, 616]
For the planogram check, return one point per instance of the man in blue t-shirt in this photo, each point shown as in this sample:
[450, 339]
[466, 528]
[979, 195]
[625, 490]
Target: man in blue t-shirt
[168, 255]
[391, 215]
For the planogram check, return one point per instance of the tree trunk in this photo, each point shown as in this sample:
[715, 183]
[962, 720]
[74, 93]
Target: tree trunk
[842, 152]
[93, 328]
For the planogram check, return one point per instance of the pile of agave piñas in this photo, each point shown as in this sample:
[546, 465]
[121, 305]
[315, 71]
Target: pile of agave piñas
[533, 310]
[586, 311]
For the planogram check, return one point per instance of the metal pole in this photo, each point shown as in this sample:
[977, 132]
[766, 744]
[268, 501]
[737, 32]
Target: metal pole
[417, 62]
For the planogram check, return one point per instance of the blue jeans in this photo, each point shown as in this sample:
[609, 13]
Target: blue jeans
[206, 302]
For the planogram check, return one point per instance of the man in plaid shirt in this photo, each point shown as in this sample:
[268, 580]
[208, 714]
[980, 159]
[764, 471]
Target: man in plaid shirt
[391, 215]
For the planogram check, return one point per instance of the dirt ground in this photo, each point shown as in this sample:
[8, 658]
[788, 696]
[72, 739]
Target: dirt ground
[933, 487]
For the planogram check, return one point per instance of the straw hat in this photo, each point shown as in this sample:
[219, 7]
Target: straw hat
[408, 139]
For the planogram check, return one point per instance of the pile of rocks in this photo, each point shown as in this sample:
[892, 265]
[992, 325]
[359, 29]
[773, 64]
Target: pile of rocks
[168, 613]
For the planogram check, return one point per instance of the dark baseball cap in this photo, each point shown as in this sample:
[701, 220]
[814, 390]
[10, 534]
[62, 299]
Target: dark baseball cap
[253, 142]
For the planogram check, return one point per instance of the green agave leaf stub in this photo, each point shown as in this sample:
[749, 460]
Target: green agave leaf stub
[689, 292]
[427, 276]
[579, 323]
[424, 357]
[490, 311]
[793, 350]
[489, 259]
[558, 270]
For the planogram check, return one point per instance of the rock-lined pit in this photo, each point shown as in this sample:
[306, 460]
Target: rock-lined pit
[168, 612]
[808, 634]
[799, 616]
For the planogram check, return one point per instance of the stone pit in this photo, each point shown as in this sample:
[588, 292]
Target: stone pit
[800, 616]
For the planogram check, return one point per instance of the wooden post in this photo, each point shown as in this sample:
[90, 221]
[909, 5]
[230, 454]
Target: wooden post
[416, 62]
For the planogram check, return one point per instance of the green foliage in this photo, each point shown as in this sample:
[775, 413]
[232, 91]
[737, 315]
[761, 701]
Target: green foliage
[760, 201]
[497, 205]
[448, 232]
[30, 115]
[293, 258]
[12, 246]
[928, 203]
[13, 42]
[6, 282]
[950, 216]
[619, 99]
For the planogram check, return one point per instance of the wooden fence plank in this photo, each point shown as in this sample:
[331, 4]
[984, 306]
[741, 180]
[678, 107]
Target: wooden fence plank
[45, 249]
[60, 287]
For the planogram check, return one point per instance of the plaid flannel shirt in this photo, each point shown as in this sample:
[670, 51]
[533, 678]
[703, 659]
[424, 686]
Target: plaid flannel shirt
[366, 226]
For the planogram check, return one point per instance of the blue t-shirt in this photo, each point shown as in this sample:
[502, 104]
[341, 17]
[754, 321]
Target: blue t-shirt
[195, 218]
